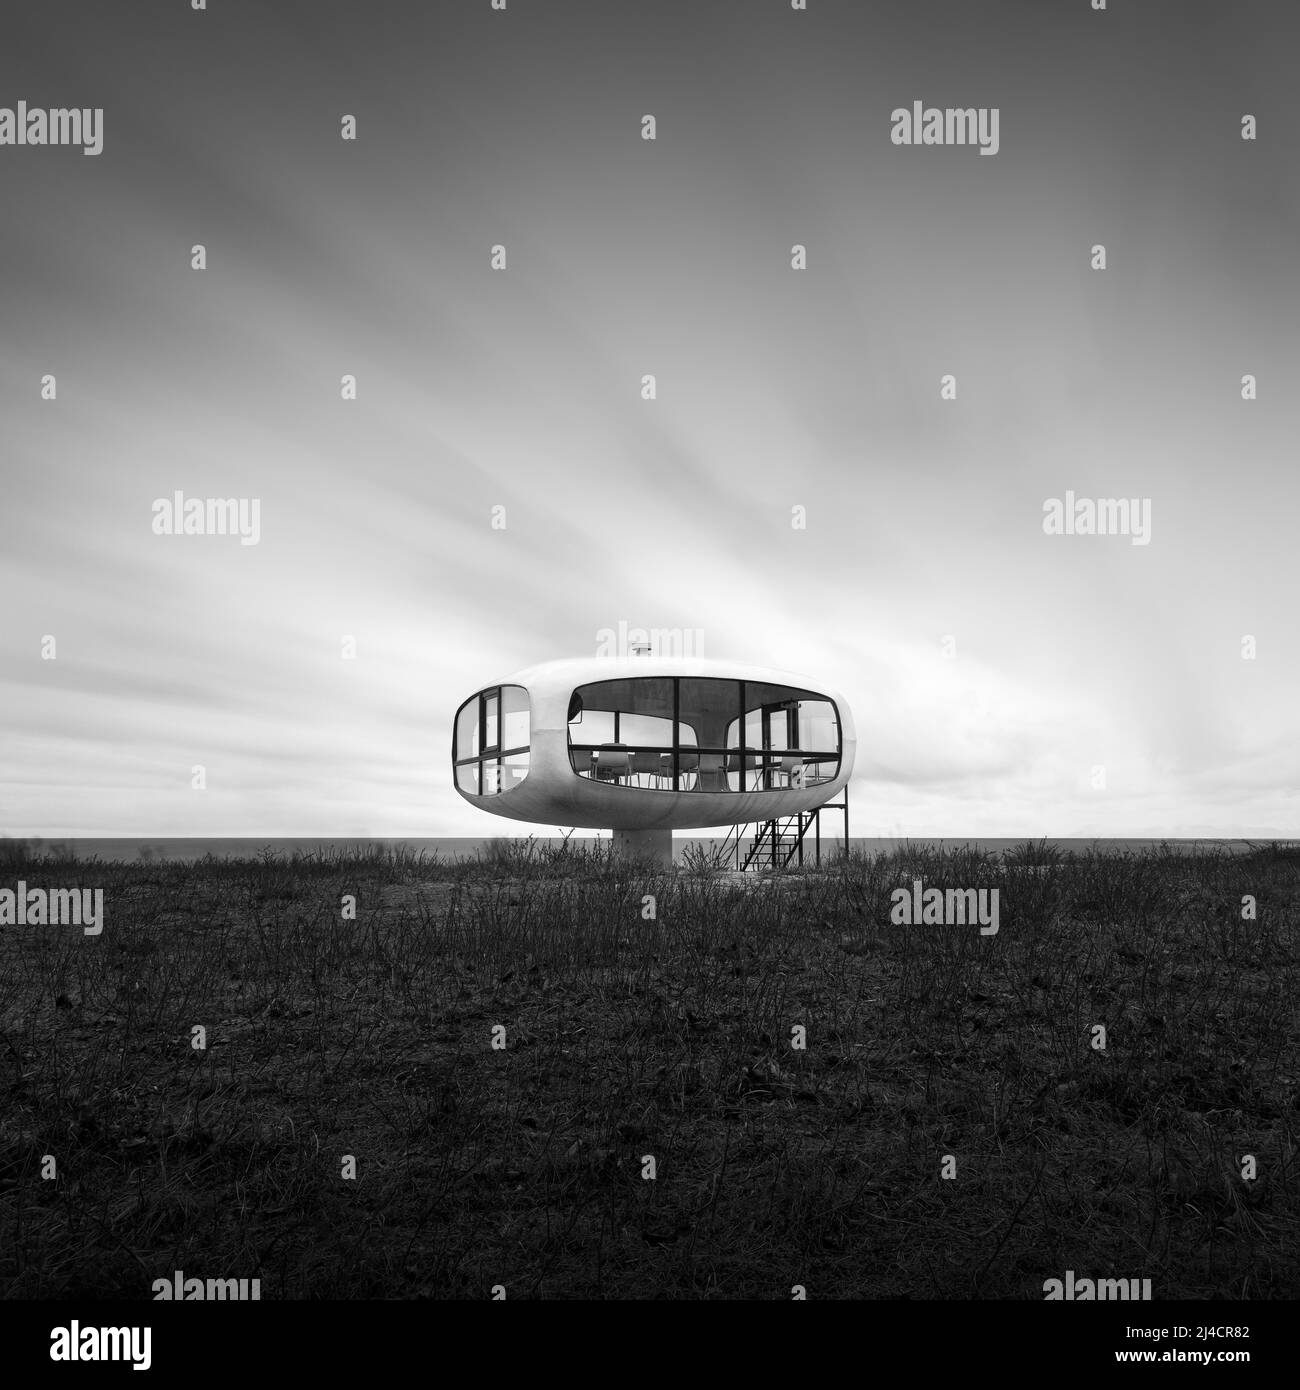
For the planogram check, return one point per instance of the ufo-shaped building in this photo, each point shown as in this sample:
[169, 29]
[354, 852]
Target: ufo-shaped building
[647, 745]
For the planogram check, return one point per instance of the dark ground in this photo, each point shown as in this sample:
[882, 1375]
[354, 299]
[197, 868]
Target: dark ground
[671, 1037]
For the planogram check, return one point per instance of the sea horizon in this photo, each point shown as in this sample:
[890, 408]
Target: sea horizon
[179, 849]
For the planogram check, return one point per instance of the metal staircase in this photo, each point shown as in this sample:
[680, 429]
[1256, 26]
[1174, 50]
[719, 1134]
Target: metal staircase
[779, 843]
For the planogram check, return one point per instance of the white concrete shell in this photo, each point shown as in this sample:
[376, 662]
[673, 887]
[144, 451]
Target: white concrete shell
[553, 793]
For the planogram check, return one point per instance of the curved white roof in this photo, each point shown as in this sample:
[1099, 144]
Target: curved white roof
[584, 670]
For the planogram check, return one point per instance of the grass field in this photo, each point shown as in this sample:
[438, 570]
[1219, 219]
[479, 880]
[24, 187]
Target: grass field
[668, 1036]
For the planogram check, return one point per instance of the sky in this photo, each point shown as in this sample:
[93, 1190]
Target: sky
[991, 668]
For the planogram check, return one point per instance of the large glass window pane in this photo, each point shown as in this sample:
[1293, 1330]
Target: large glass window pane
[818, 727]
[592, 726]
[647, 730]
[743, 771]
[732, 736]
[621, 731]
[708, 705]
[759, 693]
[467, 730]
[777, 728]
[481, 725]
[514, 716]
[652, 695]
[753, 728]
[814, 772]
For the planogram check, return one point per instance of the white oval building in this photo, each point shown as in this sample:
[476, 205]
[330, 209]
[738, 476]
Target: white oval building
[646, 745]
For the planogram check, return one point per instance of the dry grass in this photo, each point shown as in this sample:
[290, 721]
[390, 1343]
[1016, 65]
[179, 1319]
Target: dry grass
[667, 1037]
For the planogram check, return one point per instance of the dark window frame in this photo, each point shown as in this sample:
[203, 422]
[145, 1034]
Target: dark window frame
[496, 754]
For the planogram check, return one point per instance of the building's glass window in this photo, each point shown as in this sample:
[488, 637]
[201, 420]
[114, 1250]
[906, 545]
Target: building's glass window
[467, 722]
[514, 716]
[702, 733]
[490, 747]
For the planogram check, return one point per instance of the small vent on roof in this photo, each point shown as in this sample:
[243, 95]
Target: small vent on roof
[640, 648]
